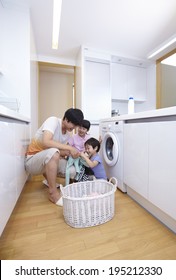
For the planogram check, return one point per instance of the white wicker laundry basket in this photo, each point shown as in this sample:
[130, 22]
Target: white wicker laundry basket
[89, 203]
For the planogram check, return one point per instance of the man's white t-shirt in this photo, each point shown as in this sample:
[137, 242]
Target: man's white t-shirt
[52, 124]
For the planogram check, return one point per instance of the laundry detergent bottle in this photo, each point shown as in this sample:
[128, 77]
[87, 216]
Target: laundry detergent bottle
[131, 105]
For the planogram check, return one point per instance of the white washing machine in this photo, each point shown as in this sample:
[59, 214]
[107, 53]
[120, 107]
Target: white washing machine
[112, 150]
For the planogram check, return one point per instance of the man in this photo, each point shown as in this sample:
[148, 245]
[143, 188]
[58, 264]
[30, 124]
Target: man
[47, 150]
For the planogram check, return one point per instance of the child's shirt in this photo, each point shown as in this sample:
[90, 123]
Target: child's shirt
[77, 141]
[99, 171]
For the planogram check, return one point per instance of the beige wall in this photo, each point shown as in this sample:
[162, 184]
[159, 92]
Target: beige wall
[55, 93]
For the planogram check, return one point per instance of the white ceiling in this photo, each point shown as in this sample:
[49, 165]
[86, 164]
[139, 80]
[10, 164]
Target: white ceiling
[131, 28]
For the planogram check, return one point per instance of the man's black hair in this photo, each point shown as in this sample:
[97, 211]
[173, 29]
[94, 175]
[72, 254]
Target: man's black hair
[74, 116]
[94, 143]
[86, 124]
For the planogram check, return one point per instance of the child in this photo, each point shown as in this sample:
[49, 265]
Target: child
[92, 158]
[77, 140]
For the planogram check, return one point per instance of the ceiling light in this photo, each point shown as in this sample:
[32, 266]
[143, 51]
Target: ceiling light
[57, 4]
[163, 47]
[171, 60]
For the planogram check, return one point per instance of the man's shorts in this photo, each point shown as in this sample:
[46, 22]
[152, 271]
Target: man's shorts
[35, 164]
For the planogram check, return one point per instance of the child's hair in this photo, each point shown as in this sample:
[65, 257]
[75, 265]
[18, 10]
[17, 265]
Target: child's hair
[86, 124]
[94, 143]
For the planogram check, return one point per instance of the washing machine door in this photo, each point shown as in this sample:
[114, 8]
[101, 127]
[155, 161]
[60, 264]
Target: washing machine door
[110, 149]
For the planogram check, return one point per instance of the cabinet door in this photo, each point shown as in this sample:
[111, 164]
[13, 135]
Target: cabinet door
[128, 81]
[96, 94]
[136, 157]
[20, 150]
[13, 144]
[137, 82]
[119, 81]
[162, 166]
[7, 172]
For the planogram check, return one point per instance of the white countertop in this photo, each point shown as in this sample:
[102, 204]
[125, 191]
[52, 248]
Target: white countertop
[170, 111]
[7, 113]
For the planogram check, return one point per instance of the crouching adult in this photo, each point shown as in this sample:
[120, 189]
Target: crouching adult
[48, 149]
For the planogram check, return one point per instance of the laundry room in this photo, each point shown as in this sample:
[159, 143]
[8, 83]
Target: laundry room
[87, 122]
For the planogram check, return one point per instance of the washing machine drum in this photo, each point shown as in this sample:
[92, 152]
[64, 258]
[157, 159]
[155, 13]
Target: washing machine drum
[110, 149]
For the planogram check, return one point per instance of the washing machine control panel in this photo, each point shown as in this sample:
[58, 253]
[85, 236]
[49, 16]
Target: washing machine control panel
[116, 127]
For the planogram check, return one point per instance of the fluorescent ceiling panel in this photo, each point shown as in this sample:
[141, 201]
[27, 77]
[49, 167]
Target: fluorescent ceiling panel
[57, 5]
[170, 42]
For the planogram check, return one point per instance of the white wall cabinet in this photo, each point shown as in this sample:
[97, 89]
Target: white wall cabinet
[93, 84]
[96, 94]
[128, 81]
[162, 164]
[136, 157]
[13, 143]
[119, 81]
[15, 61]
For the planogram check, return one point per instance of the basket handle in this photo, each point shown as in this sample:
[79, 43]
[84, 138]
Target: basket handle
[114, 181]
